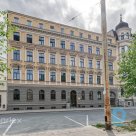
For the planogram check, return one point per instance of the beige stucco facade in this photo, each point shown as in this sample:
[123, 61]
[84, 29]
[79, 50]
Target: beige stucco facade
[59, 32]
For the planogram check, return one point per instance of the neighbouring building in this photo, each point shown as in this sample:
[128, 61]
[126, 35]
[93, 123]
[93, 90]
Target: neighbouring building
[123, 36]
[3, 77]
[55, 65]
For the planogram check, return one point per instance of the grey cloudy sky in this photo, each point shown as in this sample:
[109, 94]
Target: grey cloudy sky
[88, 10]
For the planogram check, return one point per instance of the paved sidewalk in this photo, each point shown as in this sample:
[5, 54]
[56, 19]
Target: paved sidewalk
[59, 110]
[85, 131]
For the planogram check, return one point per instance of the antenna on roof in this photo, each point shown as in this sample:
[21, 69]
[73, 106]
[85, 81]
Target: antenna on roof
[120, 17]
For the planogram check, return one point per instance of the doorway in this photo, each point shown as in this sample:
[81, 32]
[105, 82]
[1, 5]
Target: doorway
[73, 98]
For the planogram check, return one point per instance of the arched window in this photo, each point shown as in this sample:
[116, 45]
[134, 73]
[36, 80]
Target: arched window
[41, 95]
[83, 95]
[16, 94]
[29, 94]
[99, 95]
[53, 95]
[91, 95]
[63, 95]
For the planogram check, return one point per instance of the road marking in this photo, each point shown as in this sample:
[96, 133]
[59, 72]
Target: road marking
[75, 121]
[117, 117]
[4, 134]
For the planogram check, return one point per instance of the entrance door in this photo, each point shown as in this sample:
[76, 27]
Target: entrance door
[73, 97]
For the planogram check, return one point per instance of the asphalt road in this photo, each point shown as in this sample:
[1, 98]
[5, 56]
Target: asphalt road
[11, 124]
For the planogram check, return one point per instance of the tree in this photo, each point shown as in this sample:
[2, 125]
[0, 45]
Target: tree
[6, 30]
[127, 69]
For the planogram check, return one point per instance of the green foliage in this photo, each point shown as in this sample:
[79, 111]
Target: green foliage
[99, 125]
[127, 69]
[6, 30]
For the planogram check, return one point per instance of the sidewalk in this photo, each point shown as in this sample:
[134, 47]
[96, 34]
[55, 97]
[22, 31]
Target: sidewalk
[59, 110]
[85, 131]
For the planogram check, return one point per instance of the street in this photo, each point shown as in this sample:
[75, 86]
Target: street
[11, 124]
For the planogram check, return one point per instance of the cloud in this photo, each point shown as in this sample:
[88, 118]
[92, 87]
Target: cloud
[60, 11]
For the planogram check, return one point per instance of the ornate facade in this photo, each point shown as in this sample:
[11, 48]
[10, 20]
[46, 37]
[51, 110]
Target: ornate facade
[55, 65]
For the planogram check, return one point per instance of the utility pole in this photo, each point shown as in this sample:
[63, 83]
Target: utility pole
[107, 107]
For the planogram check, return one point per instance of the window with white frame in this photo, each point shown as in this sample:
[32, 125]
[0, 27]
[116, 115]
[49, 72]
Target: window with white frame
[16, 73]
[98, 66]
[41, 40]
[29, 74]
[16, 20]
[81, 63]
[29, 56]
[41, 58]
[52, 76]
[52, 59]
[41, 75]
[52, 42]
[72, 61]
[81, 78]
[90, 64]
[29, 23]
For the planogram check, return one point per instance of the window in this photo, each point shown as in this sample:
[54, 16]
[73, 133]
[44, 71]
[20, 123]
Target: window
[16, 20]
[89, 36]
[90, 79]
[63, 44]
[63, 77]
[98, 65]
[81, 48]
[53, 95]
[72, 46]
[127, 35]
[40, 25]
[41, 40]
[122, 36]
[41, 95]
[109, 40]
[29, 94]
[29, 23]
[52, 76]
[16, 74]
[52, 58]
[72, 33]
[97, 51]
[72, 61]
[81, 63]
[41, 57]
[90, 64]
[41, 75]
[52, 42]
[90, 49]
[29, 38]
[83, 95]
[97, 38]
[91, 95]
[29, 56]
[62, 30]
[81, 35]
[52, 27]
[16, 94]
[63, 60]
[110, 66]
[109, 52]
[81, 78]
[29, 74]
[122, 49]
[111, 80]
[99, 95]
[16, 36]
[63, 95]
[98, 79]
[16, 55]
[73, 77]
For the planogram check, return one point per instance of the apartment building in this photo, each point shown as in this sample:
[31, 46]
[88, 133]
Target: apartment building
[55, 65]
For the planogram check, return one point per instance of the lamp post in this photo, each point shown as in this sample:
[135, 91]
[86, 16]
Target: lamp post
[107, 109]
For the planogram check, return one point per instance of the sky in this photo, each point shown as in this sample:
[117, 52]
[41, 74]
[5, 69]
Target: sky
[87, 11]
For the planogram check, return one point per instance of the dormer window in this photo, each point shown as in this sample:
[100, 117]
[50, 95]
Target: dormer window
[16, 20]
[52, 27]
[40, 25]
[29, 23]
